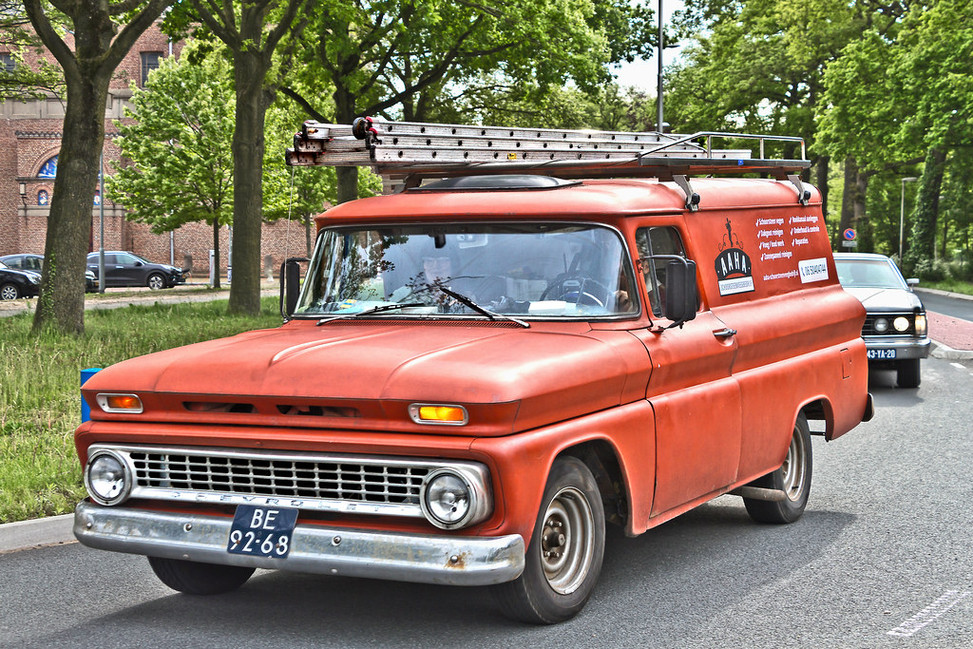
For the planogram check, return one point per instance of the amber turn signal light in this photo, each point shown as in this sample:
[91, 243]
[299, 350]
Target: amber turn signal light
[127, 403]
[425, 413]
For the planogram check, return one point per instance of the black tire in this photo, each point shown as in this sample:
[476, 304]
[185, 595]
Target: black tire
[199, 578]
[564, 558]
[907, 373]
[155, 281]
[9, 292]
[793, 478]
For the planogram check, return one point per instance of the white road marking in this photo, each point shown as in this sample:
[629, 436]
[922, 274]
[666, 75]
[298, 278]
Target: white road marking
[958, 366]
[930, 614]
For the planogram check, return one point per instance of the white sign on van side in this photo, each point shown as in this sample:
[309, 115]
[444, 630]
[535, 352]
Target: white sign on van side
[813, 270]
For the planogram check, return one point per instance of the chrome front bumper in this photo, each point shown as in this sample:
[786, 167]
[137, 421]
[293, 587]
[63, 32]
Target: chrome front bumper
[434, 559]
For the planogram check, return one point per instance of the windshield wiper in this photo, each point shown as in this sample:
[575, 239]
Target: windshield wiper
[492, 315]
[375, 309]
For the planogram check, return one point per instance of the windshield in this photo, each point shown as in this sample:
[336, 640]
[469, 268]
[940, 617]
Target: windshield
[869, 273]
[543, 270]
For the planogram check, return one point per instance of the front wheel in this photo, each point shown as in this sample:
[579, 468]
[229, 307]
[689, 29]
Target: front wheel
[156, 281]
[199, 578]
[564, 558]
[907, 373]
[793, 478]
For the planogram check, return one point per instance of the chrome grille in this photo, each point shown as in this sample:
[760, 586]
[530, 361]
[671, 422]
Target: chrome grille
[281, 477]
[335, 483]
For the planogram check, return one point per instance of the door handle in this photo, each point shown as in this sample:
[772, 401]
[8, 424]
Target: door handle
[726, 332]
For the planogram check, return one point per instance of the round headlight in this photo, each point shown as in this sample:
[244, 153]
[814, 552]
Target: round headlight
[901, 324]
[107, 478]
[881, 325]
[448, 500]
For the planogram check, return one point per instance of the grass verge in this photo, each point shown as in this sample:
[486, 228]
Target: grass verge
[40, 403]
[950, 286]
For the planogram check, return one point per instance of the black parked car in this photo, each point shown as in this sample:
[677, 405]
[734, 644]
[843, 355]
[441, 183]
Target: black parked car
[35, 263]
[18, 283]
[128, 269]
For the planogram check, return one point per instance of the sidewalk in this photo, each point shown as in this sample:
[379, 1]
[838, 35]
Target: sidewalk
[116, 298]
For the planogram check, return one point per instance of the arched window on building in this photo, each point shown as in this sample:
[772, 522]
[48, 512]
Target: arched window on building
[49, 169]
[42, 197]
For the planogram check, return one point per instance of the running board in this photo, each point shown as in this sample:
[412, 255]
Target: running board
[760, 493]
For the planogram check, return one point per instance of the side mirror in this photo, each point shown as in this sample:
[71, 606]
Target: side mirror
[290, 285]
[912, 281]
[682, 297]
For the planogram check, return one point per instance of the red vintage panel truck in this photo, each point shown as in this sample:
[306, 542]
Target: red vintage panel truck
[543, 332]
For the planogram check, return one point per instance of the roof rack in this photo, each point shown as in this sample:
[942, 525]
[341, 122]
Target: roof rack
[415, 150]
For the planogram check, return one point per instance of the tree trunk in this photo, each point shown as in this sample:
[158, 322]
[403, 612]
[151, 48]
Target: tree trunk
[345, 113]
[926, 212]
[862, 226]
[61, 304]
[252, 100]
[821, 180]
[847, 219]
[216, 252]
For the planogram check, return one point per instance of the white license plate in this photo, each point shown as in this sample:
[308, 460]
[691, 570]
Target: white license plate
[881, 354]
[262, 531]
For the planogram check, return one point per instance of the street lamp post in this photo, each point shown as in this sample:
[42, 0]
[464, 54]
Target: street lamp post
[905, 180]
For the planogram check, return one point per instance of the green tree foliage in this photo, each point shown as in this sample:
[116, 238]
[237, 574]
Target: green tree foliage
[178, 138]
[24, 76]
[261, 36]
[404, 59]
[100, 35]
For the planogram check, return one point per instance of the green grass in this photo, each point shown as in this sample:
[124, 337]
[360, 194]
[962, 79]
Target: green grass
[950, 286]
[40, 403]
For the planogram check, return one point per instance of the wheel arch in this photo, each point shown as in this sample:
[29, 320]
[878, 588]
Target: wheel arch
[819, 409]
[602, 460]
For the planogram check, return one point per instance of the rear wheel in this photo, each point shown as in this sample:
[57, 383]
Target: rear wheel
[793, 478]
[199, 578]
[9, 292]
[566, 549]
[907, 373]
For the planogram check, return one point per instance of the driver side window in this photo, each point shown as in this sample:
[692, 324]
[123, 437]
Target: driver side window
[664, 240]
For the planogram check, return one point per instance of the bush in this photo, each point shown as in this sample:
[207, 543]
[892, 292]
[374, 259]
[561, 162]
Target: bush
[931, 270]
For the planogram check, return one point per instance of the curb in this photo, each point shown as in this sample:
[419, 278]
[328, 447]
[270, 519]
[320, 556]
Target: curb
[948, 353]
[936, 291]
[55, 530]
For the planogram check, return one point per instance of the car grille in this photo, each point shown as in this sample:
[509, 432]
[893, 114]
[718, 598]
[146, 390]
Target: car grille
[352, 483]
[868, 329]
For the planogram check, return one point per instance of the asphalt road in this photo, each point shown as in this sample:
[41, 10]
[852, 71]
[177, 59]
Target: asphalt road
[948, 304]
[882, 558]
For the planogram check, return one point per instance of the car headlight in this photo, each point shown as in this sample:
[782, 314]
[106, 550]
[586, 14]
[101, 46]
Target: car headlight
[901, 324]
[453, 498]
[881, 325]
[34, 279]
[107, 478]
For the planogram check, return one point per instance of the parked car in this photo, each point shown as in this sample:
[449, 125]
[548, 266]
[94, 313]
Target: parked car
[895, 329]
[18, 283]
[128, 269]
[35, 263]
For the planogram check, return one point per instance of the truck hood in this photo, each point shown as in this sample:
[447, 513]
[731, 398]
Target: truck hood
[550, 374]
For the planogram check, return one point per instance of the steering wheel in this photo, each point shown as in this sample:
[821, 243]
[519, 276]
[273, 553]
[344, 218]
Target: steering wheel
[578, 289]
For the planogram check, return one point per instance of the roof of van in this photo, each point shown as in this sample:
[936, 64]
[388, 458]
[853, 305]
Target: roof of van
[620, 197]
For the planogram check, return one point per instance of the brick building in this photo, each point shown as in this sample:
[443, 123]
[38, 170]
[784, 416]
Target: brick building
[30, 136]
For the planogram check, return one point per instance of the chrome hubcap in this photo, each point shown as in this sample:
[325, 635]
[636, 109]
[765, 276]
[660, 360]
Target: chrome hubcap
[567, 540]
[794, 469]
